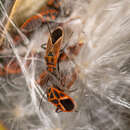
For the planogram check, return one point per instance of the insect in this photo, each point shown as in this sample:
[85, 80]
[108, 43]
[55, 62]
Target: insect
[53, 49]
[48, 14]
[52, 54]
[62, 101]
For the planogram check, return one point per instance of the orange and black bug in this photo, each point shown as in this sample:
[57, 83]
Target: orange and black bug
[62, 101]
[53, 50]
[52, 54]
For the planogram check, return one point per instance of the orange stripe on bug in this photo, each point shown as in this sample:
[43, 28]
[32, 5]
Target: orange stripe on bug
[31, 24]
[49, 15]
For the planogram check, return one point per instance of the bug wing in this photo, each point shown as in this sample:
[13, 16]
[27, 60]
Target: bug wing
[67, 102]
[58, 41]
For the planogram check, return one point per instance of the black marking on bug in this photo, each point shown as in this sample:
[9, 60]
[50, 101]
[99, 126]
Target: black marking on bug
[51, 95]
[49, 90]
[68, 104]
[56, 94]
[62, 95]
[56, 35]
[54, 101]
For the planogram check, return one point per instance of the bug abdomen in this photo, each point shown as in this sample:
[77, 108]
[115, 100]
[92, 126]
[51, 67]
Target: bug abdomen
[51, 63]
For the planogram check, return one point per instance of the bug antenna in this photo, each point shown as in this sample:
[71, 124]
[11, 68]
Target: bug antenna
[40, 104]
[49, 28]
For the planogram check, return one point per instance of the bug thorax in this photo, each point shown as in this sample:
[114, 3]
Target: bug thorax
[51, 58]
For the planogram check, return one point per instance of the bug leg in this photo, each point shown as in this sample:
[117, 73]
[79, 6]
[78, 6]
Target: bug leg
[76, 111]
[44, 46]
[42, 100]
[40, 103]
[43, 96]
[63, 57]
[58, 110]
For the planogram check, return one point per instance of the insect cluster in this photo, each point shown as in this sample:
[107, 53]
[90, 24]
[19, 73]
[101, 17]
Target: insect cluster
[54, 55]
